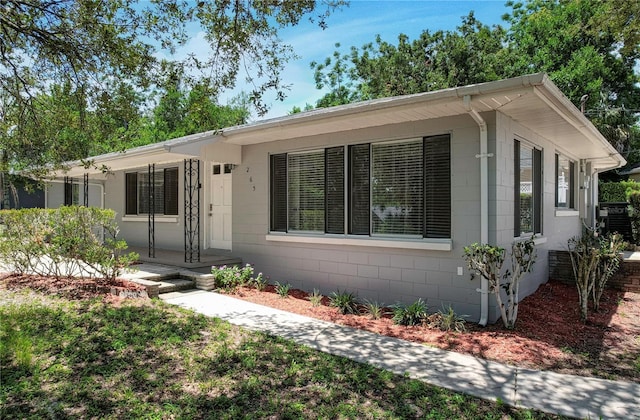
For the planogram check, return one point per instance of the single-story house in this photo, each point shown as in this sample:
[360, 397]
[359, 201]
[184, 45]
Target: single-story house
[377, 198]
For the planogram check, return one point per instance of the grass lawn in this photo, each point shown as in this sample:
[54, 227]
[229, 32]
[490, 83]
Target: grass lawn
[147, 359]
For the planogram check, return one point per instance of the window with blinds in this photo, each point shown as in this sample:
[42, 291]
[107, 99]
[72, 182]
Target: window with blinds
[565, 174]
[399, 189]
[138, 187]
[528, 189]
[306, 192]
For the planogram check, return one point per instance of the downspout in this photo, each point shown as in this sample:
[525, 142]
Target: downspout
[484, 202]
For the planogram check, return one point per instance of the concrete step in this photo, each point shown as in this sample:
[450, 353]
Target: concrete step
[174, 285]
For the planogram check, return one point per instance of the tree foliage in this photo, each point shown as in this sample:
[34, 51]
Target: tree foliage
[105, 53]
[589, 48]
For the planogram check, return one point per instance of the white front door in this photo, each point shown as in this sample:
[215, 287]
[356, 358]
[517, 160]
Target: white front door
[220, 207]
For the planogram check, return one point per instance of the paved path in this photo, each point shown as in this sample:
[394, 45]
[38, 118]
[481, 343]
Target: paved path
[547, 391]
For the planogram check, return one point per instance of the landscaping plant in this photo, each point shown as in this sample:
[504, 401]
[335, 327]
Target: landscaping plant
[447, 319]
[413, 314]
[374, 309]
[70, 241]
[315, 298]
[487, 260]
[283, 289]
[594, 259]
[230, 278]
[345, 301]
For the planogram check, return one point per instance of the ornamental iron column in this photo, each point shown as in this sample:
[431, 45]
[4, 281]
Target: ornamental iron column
[151, 182]
[86, 189]
[192, 210]
[68, 191]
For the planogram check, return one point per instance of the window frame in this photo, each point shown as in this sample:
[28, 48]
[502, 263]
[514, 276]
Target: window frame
[571, 189]
[170, 186]
[537, 193]
[353, 177]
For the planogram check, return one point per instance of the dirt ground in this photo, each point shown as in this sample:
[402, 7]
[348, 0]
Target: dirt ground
[548, 335]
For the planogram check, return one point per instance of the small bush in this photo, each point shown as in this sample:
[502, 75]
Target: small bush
[447, 320]
[414, 314]
[374, 309]
[283, 289]
[346, 302]
[260, 282]
[230, 278]
[315, 298]
[71, 241]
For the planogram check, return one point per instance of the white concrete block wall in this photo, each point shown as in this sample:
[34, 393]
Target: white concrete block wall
[555, 229]
[383, 274]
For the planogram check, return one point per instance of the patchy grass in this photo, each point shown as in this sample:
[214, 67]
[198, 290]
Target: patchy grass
[88, 358]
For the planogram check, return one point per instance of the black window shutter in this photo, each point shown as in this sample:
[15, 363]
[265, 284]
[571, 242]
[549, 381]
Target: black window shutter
[537, 191]
[359, 189]
[278, 192]
[516, 188]
[171, 191]
[557, 179]
[334, 189]
[572, 180]
[437, 187]
[131, 194]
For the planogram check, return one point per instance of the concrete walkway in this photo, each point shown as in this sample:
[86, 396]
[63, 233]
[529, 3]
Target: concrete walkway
[547, 391]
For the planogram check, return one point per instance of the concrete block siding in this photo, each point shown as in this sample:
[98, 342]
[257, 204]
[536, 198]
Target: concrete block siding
[386, 275]
[392, 275]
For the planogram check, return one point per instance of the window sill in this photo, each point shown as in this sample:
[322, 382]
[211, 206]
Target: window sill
[537, 239]
[567, 213]
[157, 218]
[426, 244]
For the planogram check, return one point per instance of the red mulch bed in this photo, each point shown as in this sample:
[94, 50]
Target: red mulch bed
[548, 333]
[74, 288]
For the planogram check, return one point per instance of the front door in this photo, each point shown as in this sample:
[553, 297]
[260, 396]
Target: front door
[220, 207]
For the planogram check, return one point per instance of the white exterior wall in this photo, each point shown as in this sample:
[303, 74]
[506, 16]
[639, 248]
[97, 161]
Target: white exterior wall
[169, 230]
[385, 274]
[557, 225]
[55, 194]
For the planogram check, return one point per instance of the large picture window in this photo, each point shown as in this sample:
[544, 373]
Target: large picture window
[565, 182]
[165, 192]
[399, 189]
[528, 189]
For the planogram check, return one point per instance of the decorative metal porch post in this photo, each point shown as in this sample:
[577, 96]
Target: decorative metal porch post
[151, 183]
[192, 210]
[68, 191]
[86, 189]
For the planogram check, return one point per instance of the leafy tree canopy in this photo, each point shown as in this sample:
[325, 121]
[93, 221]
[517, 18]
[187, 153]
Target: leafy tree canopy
[103, 55]
[589, 48]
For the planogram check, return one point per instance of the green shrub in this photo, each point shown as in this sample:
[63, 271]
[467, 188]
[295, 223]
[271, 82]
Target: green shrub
[414, 314]
[315, 298]
[447, 319]
[283, 289]
[634, 215]
[374, 309]
[64, 242]
[230, 278]
[617, 192]
[345, 301]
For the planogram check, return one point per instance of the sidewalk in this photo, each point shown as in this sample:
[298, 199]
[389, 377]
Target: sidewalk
[547, 391]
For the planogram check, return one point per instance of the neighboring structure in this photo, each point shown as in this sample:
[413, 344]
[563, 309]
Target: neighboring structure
[378, 197]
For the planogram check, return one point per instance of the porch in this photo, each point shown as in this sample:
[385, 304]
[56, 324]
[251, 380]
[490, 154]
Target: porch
[208, 257]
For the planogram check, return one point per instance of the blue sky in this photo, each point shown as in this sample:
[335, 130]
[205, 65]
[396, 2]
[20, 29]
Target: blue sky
[357, 24]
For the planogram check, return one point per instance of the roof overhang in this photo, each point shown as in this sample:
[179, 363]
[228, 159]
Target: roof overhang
[533, 101]
[158, 153]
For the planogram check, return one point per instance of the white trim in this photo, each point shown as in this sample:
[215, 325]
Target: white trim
[427, 244]
[567, 213]
[157, 218]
